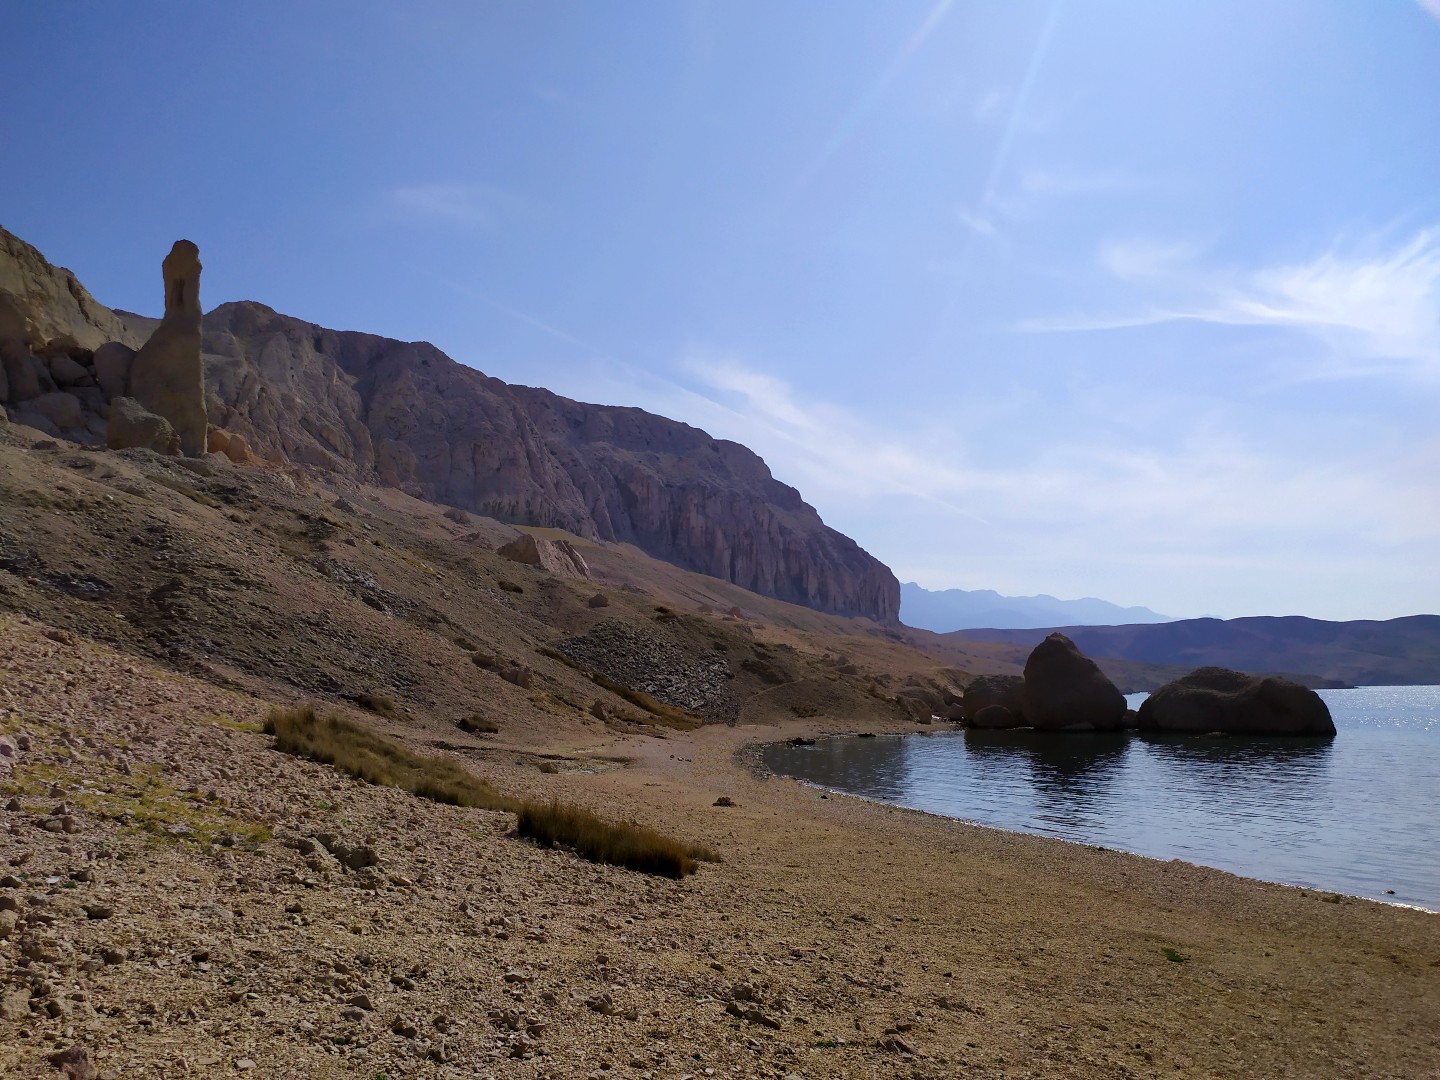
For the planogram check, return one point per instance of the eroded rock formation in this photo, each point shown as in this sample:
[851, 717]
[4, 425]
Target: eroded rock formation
[407, 415]
[167, 376]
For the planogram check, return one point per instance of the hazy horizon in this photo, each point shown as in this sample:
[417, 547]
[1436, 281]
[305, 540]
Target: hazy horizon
[1116, 301]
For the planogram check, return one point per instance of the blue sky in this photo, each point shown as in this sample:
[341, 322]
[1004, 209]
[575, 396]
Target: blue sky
[1132, 300]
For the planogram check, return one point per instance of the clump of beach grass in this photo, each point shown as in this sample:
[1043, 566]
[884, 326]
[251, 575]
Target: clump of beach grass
[362, 753]
[356, 750]
[591, 837]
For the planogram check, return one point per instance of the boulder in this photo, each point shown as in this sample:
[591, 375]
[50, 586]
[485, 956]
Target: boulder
[35, 420]
[1212, 699]
[22, 380]
[995, 716]
[1066, 691]
[112, 368]
[233, 446]
[132, 426]
[66, 371]
[557, 556]
[1002, 691]
[65, 345]
[61, 409]
[167, 376]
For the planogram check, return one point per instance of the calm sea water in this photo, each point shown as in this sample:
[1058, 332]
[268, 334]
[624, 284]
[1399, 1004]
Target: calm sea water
[1357, 814]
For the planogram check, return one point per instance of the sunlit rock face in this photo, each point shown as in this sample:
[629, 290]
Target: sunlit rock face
[418, 420]
[405, 414]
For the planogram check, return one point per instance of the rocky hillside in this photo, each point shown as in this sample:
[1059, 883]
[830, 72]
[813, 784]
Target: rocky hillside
[407, 415]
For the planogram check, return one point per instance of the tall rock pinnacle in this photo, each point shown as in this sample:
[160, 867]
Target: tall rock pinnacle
[167, 376]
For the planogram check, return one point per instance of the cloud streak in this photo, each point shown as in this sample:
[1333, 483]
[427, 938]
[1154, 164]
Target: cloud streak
[1375, 310]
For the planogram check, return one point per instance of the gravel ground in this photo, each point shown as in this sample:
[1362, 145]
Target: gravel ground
[172, 904]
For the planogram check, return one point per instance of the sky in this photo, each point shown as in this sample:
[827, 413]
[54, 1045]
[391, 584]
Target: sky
[1081, 297]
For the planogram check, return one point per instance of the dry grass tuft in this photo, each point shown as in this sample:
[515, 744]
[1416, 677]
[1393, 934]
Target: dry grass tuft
[475, 724]
[378, 703]
[355, 749]
[362, 753]
[623, 844]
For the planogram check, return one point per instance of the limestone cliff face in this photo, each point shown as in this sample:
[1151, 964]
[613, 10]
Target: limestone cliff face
[409, 414]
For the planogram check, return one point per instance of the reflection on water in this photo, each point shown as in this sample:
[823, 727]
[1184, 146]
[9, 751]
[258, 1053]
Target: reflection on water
[1352, 814]
[1062, 761]
[873, 766]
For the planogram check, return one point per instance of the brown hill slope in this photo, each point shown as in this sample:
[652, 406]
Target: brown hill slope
[255, 575]
[406, 414]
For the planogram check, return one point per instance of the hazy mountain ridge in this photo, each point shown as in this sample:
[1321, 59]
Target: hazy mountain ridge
[1366, 652]
[947, 610]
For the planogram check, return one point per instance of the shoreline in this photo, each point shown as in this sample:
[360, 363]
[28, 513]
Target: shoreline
[839, 937]
[760, 746]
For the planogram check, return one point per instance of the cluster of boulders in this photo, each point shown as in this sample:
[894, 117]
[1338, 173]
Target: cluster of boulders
[656, 663]
[1064, 690]
[112, 395]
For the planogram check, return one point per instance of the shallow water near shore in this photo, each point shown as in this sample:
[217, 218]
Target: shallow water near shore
[1356, 814]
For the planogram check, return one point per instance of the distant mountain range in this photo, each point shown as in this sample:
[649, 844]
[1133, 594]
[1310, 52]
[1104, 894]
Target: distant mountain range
[1394, 652]
[957, 609]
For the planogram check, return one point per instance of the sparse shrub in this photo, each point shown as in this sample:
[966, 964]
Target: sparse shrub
[661, 609]
[378, 703]
[592, 837]
[1175, 957]
[510, 586]
[804, 711]
[599, 600]
[362, 753]
[549, 767]
[457, 515]
[475, 724]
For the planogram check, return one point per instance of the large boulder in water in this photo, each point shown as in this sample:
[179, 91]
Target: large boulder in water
[1066, 691]
[995, 701]
[1220, 700]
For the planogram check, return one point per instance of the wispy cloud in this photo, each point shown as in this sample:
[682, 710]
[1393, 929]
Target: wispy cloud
[1152, 519]
[1375, 308]
[1430, 7]
[819, 445]
[1212, 483]
[471, 205]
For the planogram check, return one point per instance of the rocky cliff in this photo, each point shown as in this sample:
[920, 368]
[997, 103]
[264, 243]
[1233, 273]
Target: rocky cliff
[407, 414]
